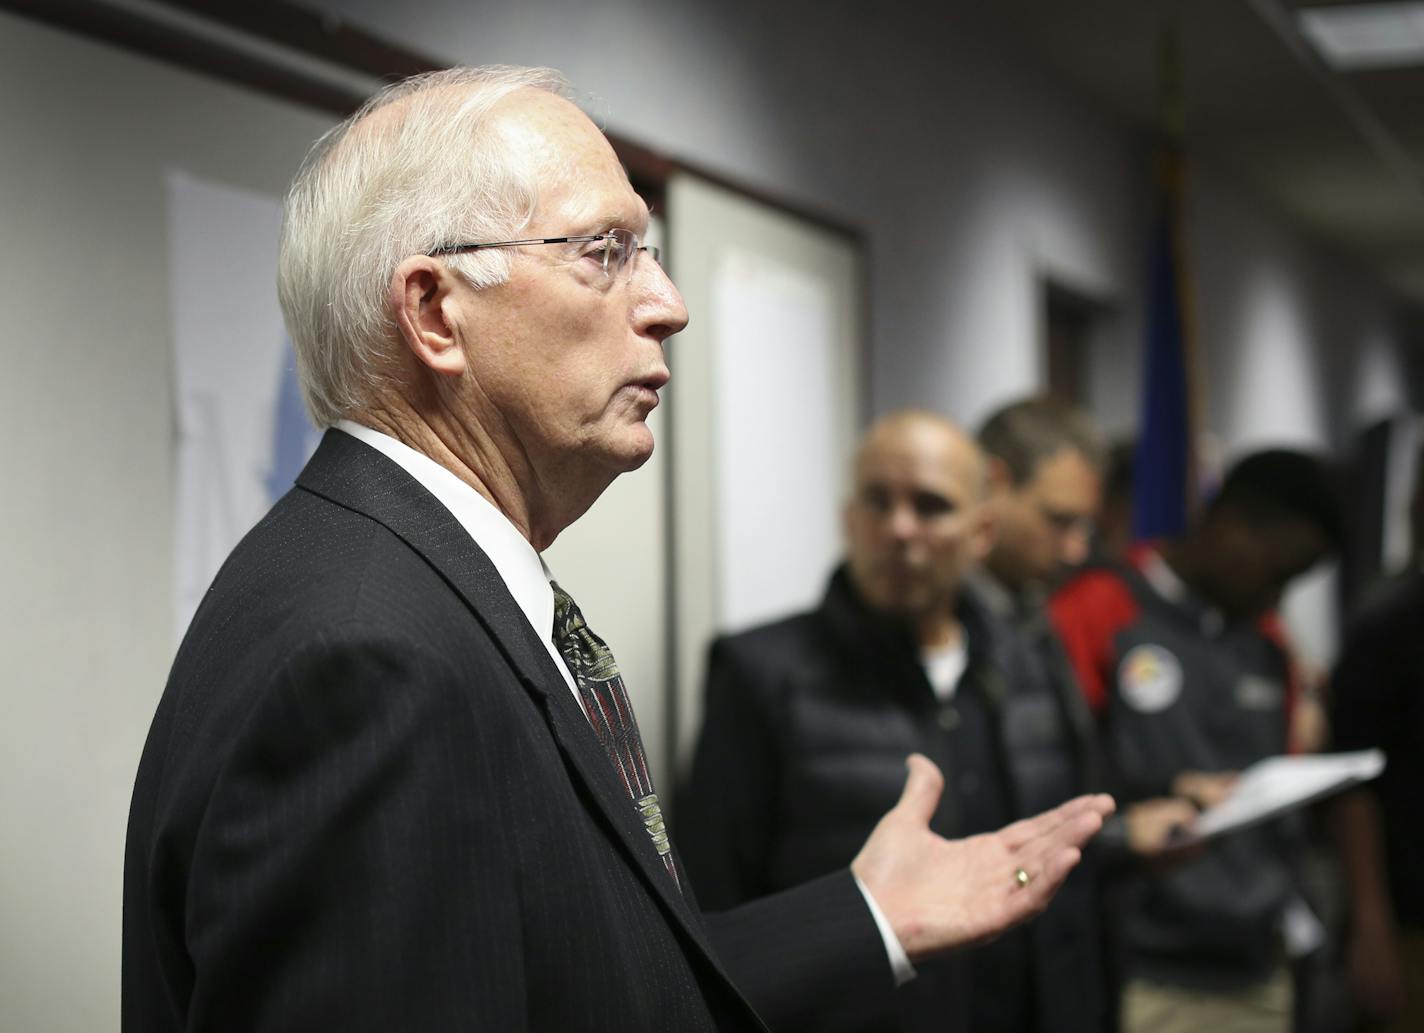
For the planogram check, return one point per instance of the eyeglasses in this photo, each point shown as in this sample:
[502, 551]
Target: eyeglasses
[619, 248]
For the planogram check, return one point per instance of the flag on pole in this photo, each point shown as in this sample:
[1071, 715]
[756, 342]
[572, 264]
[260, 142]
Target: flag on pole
[1164, 466]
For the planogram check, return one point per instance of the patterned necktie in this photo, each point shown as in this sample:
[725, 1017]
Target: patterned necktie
[605, 699]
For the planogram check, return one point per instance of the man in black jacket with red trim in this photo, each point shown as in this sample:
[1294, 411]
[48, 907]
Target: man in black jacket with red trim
[1182, 658]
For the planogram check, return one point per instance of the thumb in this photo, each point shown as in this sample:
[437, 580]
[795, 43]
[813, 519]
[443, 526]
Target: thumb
[923, 786]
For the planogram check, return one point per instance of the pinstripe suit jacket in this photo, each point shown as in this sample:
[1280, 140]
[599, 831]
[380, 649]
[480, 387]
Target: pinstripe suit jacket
[369, 802]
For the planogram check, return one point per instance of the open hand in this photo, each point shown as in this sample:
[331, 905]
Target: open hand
[940, 893]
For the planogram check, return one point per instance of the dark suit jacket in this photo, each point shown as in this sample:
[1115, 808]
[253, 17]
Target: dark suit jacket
[368, 801]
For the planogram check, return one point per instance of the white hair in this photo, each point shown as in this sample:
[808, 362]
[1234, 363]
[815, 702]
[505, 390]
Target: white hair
[418, 167]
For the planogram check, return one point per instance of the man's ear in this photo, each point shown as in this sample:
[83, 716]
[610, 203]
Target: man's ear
[421, 301]
[999, 478]
[986, 530]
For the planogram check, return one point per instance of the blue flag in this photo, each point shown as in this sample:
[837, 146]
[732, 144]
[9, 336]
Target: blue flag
[1162, 468]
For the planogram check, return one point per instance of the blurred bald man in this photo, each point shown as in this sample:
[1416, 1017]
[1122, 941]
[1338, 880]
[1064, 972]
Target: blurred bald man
[808, 721]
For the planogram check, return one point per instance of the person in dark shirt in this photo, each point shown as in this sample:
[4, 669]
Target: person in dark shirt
[1180, 654]
[1377, 701]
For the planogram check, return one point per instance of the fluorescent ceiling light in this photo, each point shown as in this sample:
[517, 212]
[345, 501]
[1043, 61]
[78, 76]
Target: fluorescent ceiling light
[1359, 36]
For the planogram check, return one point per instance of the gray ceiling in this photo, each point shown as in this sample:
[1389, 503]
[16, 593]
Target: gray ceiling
[1339, 154]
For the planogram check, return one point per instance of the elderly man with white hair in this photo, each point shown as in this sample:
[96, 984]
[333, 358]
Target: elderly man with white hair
[394, 781]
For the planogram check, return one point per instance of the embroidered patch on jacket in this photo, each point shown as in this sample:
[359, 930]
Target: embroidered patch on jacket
[1149, 678]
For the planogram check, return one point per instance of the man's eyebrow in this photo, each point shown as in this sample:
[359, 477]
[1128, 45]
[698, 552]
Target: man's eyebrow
[605, 223]
[635, 218]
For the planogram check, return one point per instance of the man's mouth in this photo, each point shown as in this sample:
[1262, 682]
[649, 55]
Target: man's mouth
[644, 395]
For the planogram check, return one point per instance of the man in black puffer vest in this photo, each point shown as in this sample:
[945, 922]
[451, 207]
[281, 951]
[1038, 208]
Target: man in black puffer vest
[809, 720]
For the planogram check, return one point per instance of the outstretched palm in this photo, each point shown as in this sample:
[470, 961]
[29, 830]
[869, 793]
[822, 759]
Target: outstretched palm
[939, 894]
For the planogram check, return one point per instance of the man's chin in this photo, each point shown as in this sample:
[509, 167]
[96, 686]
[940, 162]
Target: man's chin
[897, 602]
[633, 449]
[637, 462]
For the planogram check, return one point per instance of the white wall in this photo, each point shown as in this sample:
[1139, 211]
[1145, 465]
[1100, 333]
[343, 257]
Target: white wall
[86, 525]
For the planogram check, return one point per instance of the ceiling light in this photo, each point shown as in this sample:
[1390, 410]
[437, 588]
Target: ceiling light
[1360, 36]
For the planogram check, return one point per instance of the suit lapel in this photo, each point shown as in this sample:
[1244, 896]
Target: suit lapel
[355, 476]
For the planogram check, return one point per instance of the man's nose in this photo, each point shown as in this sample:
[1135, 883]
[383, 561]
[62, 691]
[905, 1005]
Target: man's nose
[661, 312]
[1073, 551]
[903, 521]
